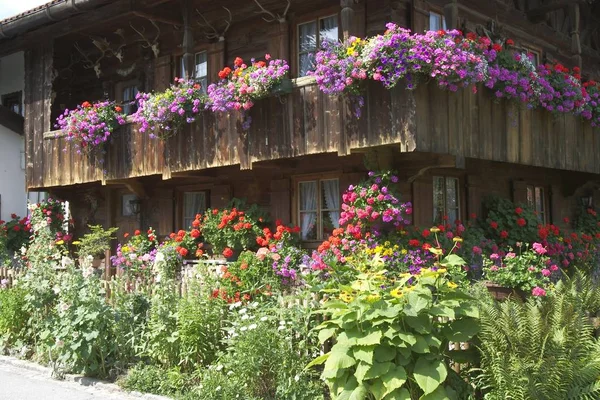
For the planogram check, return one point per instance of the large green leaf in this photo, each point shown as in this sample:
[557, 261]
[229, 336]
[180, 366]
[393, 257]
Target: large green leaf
[461, 330]
[437, 394]
[325, 334]
[360, 393]
[370, 339]
[364, 353]
[384, 353]
[378, 369]
[421, 345]
[339, 358]
[452, 260]
[394, 379]
[417, 302]
[429, 374]
[318, 361]
[400, 394]
[421, 324]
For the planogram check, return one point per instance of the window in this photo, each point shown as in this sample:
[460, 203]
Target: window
[534, 55]
[318, 208]
[446, 201]
[311, 35]
[129, 205]
[536, 199]
[200, 74]
[436, 21]
[129, 103]
[12, 101]
[193, 203]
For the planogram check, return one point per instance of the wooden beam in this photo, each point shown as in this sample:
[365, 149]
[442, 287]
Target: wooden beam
[538, 14]
[133, 185]
[158, 18]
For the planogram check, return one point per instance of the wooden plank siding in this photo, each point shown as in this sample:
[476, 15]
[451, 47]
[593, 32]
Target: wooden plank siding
[309, 122]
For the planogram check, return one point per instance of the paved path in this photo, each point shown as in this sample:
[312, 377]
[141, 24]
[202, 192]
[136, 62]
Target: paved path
[25, 384]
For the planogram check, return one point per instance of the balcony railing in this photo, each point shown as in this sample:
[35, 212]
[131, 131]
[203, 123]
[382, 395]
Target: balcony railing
[309, 122]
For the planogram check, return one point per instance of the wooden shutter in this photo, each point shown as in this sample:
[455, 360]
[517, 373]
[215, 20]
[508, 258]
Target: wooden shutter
[162, 73]
[216, 60]
[281, 203]
[279, 41]
[519, 192]
[420, 16]
[423, 202]
[220, 196]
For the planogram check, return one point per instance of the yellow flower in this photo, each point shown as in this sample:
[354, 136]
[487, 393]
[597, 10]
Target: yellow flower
[387, 243]
[560, 239]
[457, 239]
[435, 229]
[60, 242]
[346, 297]
[409, 289]
[397, 293]
[442, 271]
[404, 251]
[125, 249]
[452, 285]
[77, 242]
[372, 298]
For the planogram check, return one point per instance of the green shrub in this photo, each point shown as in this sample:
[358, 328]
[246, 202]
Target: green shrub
[199, 329]
[13, 316]
[267, 350]
[542, 349]
[153, 379]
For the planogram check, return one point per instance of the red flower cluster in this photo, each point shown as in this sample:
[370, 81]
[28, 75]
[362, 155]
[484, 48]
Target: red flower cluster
[224, 73]
[268, 236]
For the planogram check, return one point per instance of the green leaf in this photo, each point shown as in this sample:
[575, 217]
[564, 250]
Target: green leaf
[461, 330]
[401, 394]
[360, 393]
[364, 353]
[429, 374]
[452, 260]
[442, 311]
[339, 358]
[384, 353]
[437, 394]
[370, 339]
[91, 336]
[378, 369]
[421, 324]
[416, 303]
[421, 345]
[325, 334]
[394, 379]
[433, 341]
[317, 361]
[408, 338]
[361, 371]
[377, 389]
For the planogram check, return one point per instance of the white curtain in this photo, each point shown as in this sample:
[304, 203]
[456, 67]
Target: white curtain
[308, 202]
[193, 203]
[307, 46]
[331, 191]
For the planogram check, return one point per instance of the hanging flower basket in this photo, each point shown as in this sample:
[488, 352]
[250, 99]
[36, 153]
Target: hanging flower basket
[282, 88]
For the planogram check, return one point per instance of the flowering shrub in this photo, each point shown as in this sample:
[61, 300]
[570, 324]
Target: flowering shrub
[14, 234]
[239, 88]
[188, 242]
[339, 68]
[137, 255]
[90, 125]
[507, 223]
[561, 90]
[371, 205]
[162, 114]
[514, 76]
[229, 230]
[391, 338]
[530, 270]
[591, 108]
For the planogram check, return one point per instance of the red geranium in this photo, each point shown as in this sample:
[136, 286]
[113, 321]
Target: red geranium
[227, 253]
[521, 222]
[426, 233]
[494, 224]
[137, 232]
[504, 234]
[414, 243]
[518, 210]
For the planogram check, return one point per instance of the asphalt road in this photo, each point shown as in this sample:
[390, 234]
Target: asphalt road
[22, 384]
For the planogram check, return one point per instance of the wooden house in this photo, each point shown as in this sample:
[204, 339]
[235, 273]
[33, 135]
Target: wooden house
[304, 148]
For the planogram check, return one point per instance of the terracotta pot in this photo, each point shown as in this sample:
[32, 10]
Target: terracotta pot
[501, 293]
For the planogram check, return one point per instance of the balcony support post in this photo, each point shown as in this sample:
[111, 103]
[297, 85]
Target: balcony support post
[188, 40]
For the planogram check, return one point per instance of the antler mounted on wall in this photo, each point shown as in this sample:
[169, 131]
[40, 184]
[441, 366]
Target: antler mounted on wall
[153, 44]
[214, 32]
[281, 18]
[105, 46]
[88, 63]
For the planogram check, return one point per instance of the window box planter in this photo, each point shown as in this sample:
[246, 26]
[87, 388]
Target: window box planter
[502, 293]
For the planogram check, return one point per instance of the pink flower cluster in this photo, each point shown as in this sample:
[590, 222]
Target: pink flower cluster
[373, 204]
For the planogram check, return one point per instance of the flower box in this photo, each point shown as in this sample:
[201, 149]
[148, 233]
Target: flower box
[284, 87]
[502, 293]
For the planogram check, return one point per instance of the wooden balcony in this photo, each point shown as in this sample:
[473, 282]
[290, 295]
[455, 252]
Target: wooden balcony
[309, 122]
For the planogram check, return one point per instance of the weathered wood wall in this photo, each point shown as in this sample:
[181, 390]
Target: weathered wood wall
[308, 122]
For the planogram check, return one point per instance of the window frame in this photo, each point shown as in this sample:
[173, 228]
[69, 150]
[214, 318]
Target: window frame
[459, 197]
[14, 98]
[305, 19]
[180, 67]
[182, 216]
[528, 48]
[120, 88]
[296, 211]
[442, 17]
[545, 203]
